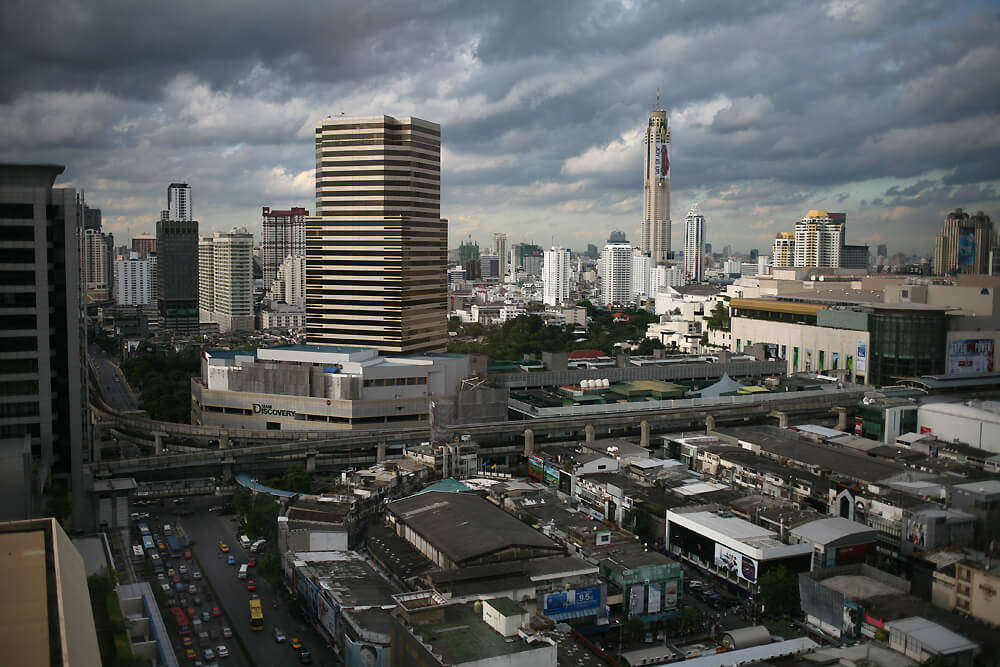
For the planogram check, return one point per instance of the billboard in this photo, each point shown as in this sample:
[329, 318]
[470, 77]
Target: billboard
[861, 363]
[535, 466]
[670, 594]
[364, 655]
[734, 563]
[655, 594]
[661, 163]
[637, 600]
[966, 246]
[573, 601]
[551, 475]
[970, 356]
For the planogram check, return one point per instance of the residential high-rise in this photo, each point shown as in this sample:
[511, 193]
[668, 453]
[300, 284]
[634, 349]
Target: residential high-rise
[95, 265]
[179, 202]
[642, 274]
[225, 279]
[289, 285]
[133, 280]
[617, 236]
[177, 275]
[500, 249]
[284, 236]
[43, 430]
[655, 231]
[144, 244]
[616, 274]
[694, 245]
[555, 276]
[783, 251]
[819, 239]
[377, 249]
[964, 244]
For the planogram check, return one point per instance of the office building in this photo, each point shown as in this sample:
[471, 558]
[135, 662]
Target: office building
[882, 250]
[819, 239]
[144, 244]
[655, 230]
[694, 245]
[179, 202]
[377, 250]
[95, 259]
[490, 266]
[44, 580]
[964, 244]
[284, 236]
[43, 409]
[783, 251]
[225, 280]
[177, 275]
[528, 258]
[854, 257]
[616, 274]
[500, 250]
[133, 280]
[555, 276]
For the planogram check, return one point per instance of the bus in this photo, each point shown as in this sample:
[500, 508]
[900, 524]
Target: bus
[183, 625]
[144, 530]
[148, 544]
[256, 615]
[174, 545]
[137, 553]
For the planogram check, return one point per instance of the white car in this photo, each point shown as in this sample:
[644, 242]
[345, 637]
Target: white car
[222, 651]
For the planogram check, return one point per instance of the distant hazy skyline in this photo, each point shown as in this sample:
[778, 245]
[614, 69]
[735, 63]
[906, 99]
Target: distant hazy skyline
[888, 110]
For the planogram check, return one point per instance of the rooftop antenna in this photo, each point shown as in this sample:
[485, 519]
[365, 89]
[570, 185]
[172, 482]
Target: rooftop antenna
[657, 98]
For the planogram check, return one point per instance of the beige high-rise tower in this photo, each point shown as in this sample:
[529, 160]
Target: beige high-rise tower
[377, 249]
[655, 232]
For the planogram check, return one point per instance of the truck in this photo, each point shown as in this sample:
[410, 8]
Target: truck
[174, 545]
[258, 546]
[244, 541]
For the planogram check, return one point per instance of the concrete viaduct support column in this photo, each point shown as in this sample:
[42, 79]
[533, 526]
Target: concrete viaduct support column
[380, 456]
[841, 417]
[644, 433]
[589, 432]
[529, 442]
[224, 440]
[710, 423]
[311, 461]
[158, 437]
[782, 418]
[227, 471]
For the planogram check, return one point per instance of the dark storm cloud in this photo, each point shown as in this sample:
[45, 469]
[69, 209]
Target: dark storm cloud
[775, 106]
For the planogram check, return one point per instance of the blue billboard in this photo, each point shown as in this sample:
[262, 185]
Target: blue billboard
[575, 601]
[966, 246]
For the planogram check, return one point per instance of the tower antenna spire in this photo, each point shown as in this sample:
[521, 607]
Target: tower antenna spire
[657, 98]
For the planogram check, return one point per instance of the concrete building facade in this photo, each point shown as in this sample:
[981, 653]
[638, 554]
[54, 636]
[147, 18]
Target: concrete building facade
[177, 273]
[555, 276]
[654, 235]
[616, 274]
[179, 206]
[225, 280]
[694, 245]
[783, 250]
[284, 235]
[964, 244]
[819, 239]
[133, 280]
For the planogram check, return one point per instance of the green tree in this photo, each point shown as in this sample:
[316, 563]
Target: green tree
[779, 591]
[720, 319]
[164, 382]
[688, 619]
[455, 324]
[295, 479]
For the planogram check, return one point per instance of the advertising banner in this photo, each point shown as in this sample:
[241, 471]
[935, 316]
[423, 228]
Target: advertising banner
[748, 568]
[572, 601]
[637, 600]
[551, 475]
[670, 595]
[661, 162]
[654, 599]
[535, 466]
[364, 655]
[851, 554]
[861, 363]
[970, 356]
[966, 246]
[728, 560]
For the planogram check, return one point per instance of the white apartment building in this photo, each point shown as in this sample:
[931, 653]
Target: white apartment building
[819, 239]
[665, 275]
[134, 280]
[694, 245]
[555, 276]
[225, 280]
[616, 274]
[289, 284]
[783, 250]
[179, 202]
[642, 275]
[283, 316]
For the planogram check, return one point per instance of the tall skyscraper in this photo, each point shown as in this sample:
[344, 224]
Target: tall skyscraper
[783, 250]
[655, 231]
[177, 275]
[144, 244]
[964, 244]
[555, 276]
[694, 245]
[616, 274]
[500, 249]
[43, 432]
[179, 202]
[284, 236]
[225, 279]
[819, 239]
[377, 249]
[95, 265]
[133, 280]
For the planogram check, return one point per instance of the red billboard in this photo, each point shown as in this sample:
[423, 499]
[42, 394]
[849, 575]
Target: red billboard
[852, 554]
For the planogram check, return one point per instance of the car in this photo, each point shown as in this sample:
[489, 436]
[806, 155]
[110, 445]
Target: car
[223, 547]
[252, 562]
[175, 579]
[191, 612]
[305, 657]
[227, 632]
[251, 585]
[209, 654]
[222, 651]
[182, 570]
[192, 589]
[179, 587]
[231, 560]
[156, 559]
[196, 576]
[190, 655]
[206, 616]
[203, 637]
[161, 577]
[187, 641]
[172, 602]
[215, 508]
[278, 635]
[171, 572]
[295, 643]
[187, 555]
[216, 611]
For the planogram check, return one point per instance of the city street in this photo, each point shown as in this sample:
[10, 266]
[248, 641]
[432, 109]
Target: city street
[205, 530]
[114, 388]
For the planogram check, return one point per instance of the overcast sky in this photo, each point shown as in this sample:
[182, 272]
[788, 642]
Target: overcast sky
[886, 109]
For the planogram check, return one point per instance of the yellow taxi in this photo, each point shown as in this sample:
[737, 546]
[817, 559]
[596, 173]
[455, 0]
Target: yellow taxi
[223, 547]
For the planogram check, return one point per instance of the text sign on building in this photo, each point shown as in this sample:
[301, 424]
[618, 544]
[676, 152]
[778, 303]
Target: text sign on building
[267, 409]
[661, 165]
[574, 600]
[861, 363]
[970, 356]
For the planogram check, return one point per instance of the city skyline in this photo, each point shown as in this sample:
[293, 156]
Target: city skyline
[890, 120]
